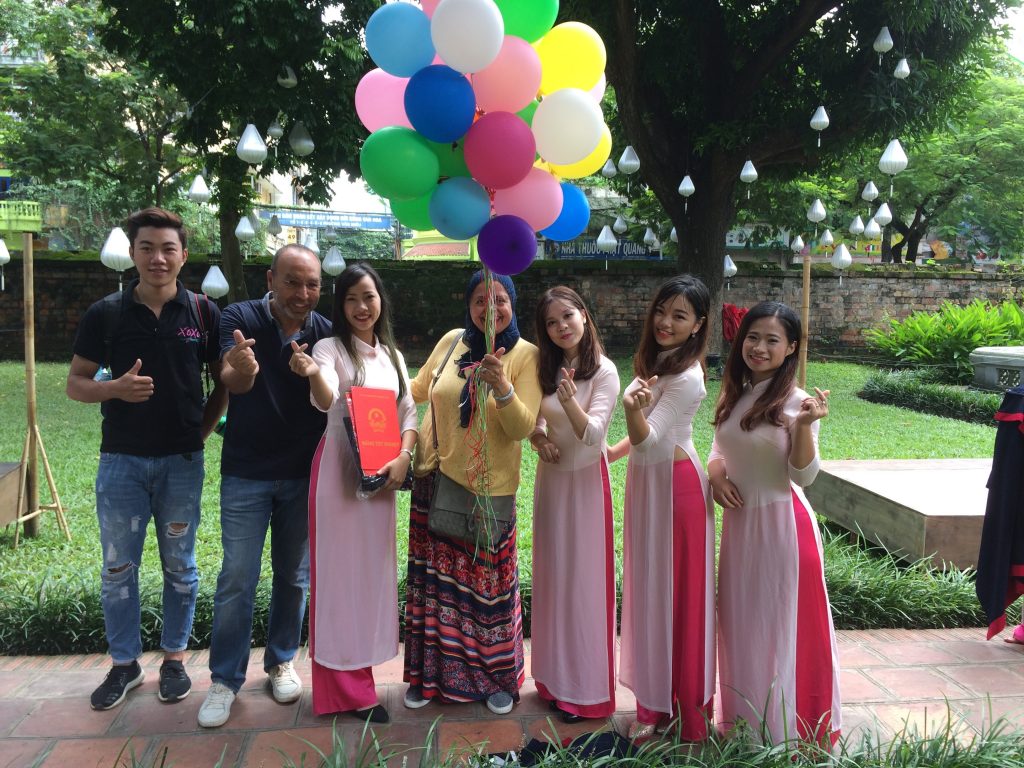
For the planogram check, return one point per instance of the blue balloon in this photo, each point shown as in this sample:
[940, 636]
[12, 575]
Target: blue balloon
[459, 208]
[440, 103]
[398, 39]
[573, 219]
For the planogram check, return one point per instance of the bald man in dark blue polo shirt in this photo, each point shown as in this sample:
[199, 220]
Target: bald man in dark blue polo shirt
[272, 433]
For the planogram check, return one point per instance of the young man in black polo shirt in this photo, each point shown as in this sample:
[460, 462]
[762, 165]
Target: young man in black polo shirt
[272, 434]
[151, 455]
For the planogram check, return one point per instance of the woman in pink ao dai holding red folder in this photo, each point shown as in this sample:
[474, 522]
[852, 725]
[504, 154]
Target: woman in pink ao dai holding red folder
[353, 579]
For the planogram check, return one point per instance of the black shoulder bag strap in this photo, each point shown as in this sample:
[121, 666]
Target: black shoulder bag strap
[430, 395]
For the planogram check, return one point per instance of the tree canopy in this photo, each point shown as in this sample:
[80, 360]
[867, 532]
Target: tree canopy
[224, 59]
[704, 85]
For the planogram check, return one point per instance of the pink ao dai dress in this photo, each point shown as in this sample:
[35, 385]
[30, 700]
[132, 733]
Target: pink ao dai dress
[777, 645]
[353, 568]
[573, 645]
[668, 614]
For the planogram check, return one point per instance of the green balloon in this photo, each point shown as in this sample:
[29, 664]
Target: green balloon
[527, 112]
[528, 19]
[451, 158]
[414, 214]
[398, 163]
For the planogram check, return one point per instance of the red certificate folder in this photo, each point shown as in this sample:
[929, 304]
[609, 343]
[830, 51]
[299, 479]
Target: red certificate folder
[375, 421]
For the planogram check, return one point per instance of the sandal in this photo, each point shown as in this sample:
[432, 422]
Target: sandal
[640, 731]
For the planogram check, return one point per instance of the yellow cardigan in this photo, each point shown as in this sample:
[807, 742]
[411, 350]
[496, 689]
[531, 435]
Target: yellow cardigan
[506, 428]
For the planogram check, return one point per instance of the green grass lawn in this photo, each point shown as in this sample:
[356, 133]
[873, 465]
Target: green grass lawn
[855, 429]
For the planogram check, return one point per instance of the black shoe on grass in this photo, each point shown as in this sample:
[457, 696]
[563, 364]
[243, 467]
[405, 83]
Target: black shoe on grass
[174, 682]
[119, 680]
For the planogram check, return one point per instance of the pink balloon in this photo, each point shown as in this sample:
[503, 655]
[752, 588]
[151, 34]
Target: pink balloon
[597, 92]
[429, 6]
[500, 150]
[380, 100]
[537, 199]
[511, 81]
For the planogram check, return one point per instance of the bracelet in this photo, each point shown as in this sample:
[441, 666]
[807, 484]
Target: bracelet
[406, 450]
[507, 396]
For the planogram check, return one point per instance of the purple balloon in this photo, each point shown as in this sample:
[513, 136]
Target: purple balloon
[507, 245]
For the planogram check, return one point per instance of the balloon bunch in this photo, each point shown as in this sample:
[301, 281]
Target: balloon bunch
[478, 110]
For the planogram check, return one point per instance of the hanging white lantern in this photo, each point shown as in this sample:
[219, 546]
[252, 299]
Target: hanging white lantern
[274, 227]
[609, 170]
[893, 161]
[872, 231]
[819, 121]
[275, 130]
[199, 192]
[686, 189]
[748, 175]
[116, 253]
[883, 43]
[673, 235]
[287, 78]
[729, 267]
[629, 162]
[816, 212]
[329, 234]
[620, 225]
[300, 140]
[902, 71]
[311, 242]
[856, 226]
[649, 238]
[606, 242]
[883, 215]
[244, 230]
[251, 148]
[796, 244]
[5, 258]
[215, 284]
[826, 238]
[334, 262]
[841, 259]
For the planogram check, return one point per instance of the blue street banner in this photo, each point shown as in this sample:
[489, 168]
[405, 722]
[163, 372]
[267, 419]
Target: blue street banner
[314, 219]
[587, 249]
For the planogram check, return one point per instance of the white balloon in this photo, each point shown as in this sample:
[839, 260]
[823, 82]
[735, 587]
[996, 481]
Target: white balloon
[215, 284]
[468, 34]
[567, 124]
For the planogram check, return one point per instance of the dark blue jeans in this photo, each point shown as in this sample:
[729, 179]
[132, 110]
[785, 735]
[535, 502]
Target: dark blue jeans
[247, 509]
[129, 491]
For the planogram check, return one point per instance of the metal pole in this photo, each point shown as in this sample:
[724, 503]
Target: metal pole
[805, 313]
[32, 457]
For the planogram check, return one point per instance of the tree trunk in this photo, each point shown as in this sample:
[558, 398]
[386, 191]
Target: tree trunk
[231, 255]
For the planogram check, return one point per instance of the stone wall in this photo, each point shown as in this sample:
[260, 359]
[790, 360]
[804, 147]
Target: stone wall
[427, 298]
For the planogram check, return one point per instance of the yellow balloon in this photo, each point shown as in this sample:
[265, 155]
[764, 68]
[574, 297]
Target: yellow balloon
[572, 55]
[592, 163]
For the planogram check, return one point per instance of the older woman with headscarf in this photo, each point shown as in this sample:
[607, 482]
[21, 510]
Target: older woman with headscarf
[463, 620]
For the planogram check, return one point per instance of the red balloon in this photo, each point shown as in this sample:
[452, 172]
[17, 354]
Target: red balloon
[500, 150]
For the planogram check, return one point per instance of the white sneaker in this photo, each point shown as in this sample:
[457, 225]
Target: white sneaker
[285, 682]
[414, 700]
[217, 708]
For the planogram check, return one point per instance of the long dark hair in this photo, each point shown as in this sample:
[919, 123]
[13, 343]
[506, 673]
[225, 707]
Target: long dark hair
[646, 361]
[351, 275]
[551, 355]
[768, 407]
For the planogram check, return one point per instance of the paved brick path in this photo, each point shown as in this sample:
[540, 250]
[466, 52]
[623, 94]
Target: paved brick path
[889, 677]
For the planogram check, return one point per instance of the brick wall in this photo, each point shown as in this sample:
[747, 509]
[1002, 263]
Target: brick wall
[427, 298]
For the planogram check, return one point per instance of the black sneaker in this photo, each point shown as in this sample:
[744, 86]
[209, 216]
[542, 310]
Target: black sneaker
[119, 680]
[174, 682]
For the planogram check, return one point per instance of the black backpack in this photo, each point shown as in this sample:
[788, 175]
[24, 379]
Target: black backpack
[112, 304]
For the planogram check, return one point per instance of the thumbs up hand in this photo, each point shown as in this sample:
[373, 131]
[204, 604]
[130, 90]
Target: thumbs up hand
[133, 388]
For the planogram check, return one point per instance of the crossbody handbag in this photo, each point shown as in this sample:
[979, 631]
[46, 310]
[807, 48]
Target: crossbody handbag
[458, 513]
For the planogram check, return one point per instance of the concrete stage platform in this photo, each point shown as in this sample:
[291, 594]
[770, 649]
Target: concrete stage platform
[915, 508]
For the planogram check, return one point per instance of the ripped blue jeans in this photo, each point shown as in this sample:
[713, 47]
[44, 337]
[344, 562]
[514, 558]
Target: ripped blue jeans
[129, 491]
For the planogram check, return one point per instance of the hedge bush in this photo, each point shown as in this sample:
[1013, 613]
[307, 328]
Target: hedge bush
[945, 339]
[917, 391]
